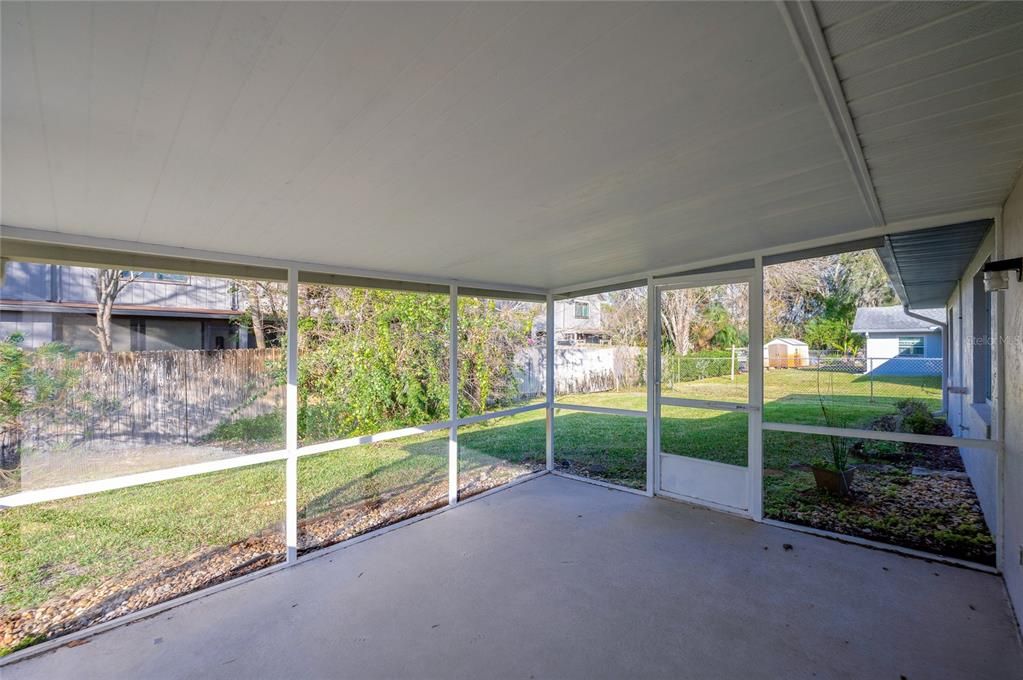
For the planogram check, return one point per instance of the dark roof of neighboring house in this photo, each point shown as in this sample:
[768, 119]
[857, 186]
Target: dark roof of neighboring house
[891, 319]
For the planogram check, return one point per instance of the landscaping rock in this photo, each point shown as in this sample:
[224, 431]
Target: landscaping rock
[947, 474]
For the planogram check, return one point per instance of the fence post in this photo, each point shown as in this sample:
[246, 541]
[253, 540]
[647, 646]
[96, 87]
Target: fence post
[870, 373]
[733, 363]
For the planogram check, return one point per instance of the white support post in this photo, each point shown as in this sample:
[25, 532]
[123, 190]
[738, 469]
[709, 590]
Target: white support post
[549, 380]
[653, 384]
[291, 422]
[756, 391]
[453, 399]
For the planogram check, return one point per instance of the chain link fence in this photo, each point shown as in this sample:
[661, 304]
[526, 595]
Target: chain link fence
[815, 373]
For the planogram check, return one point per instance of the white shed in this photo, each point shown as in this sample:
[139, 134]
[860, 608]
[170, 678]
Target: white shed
[786, 353]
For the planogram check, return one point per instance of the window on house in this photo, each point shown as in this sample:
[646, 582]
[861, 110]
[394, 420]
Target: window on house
[981, 341]
[156, 276]
[912, 346]
[582, 310]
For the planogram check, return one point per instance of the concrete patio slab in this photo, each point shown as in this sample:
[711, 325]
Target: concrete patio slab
[560, 579]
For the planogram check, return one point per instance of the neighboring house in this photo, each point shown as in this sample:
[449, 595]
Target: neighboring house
[577, 322]
[786, 353]
[57, 303]
[898, 343]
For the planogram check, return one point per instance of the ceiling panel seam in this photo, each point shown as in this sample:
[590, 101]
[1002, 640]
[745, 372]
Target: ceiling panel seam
[801, 20]
[913, 29]
[181, 117]
[916, 56]
[42, 114]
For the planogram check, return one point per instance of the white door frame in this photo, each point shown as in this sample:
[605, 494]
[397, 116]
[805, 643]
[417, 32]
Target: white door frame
[753, 278]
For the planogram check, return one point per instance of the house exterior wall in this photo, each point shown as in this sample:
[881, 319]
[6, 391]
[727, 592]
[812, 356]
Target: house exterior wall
[969, 414]
[883, 358]
[49, 303]
[1012, 343]
[565, 320]
[29, 281]
[168, 334]
[76, 331]
[36, 327]
[886, 345]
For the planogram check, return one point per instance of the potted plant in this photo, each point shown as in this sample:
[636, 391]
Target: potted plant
[836, 475]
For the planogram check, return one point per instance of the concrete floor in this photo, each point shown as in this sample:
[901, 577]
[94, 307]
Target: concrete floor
[560, 579]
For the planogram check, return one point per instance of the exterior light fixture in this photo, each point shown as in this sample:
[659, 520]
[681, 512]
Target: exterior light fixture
[996, 274]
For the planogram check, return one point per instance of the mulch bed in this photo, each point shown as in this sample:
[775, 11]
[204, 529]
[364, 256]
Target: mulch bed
[933, 514]
[937, 513]
[160, 579]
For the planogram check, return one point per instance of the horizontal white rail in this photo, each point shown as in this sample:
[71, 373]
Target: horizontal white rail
[600, 409]
[501, 414]
[55, 493]
[140, 478]
[708, 404]
[349, 442]
[910, 438]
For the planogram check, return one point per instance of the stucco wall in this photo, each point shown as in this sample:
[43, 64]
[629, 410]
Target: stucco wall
[967, 414]
[1012, 229]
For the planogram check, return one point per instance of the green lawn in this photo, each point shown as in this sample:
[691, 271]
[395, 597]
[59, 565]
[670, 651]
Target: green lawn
[56, 548]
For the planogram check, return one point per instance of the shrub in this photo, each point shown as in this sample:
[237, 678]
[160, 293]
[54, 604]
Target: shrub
[917, 418]
[700, 365]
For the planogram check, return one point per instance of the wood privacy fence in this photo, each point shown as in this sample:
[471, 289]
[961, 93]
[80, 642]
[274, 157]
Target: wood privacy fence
[164, 397]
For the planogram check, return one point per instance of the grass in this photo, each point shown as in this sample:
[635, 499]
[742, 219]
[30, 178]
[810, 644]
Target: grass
[56, 548]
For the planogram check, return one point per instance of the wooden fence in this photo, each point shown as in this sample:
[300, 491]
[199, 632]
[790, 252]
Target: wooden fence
[165, 397]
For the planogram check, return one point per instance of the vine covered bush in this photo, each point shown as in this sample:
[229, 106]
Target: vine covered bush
[29, 380]
[373, 360]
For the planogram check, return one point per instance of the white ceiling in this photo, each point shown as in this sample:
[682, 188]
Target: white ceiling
[936, 93]
[536, 144]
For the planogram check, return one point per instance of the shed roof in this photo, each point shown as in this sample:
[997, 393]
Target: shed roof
[788, 341]
[891, 319]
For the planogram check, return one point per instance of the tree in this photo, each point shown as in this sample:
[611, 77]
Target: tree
[830, 287]
[265, 309]
[108, 284]
[835, 334]
[624, 314]
[680, 310]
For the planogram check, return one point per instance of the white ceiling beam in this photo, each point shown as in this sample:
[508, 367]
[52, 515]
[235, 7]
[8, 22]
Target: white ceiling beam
[139, 248]
[801, 19]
